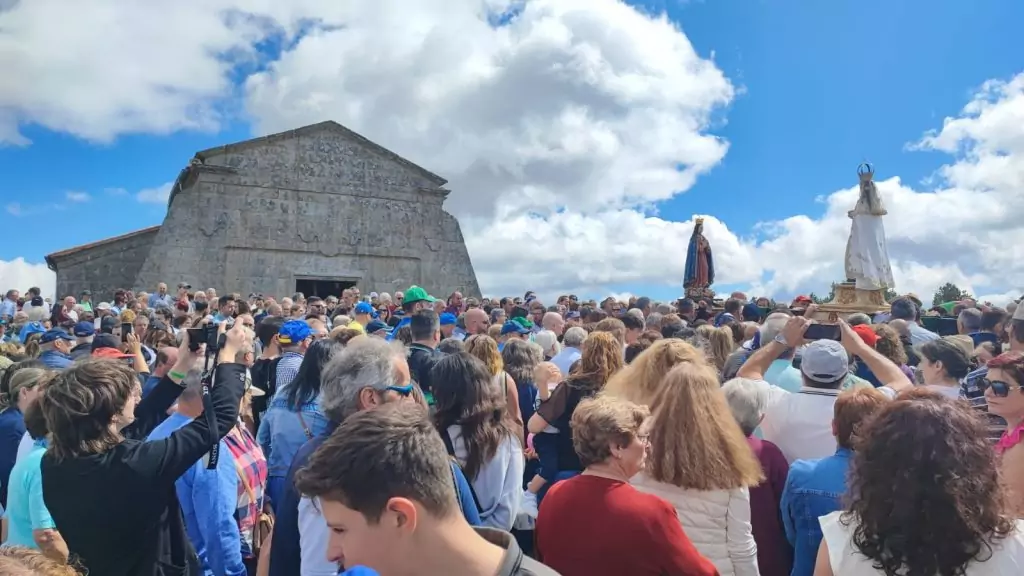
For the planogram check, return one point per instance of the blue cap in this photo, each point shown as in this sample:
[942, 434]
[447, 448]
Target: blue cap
[30, 329]
[55, 334]
[84, 329]
[293, 332]
[364, 308]
[448, 319]
[376, 326]
[513, 327]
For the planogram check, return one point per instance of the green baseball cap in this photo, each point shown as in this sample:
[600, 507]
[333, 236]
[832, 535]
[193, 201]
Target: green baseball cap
[417, 294]
[524, 322]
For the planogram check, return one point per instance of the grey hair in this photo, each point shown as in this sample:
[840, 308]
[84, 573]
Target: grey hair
[364, 363]
[521, 358]
[663, 309]
[858, 319]
[654, 321]
[547, 341]
[748, 401]
[970, 319]
[193, 386]
[574, 337]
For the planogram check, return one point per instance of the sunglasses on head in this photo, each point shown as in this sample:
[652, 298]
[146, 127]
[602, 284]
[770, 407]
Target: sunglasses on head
[1002, 389]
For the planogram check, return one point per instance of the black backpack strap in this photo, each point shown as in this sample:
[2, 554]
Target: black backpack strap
[450, 447]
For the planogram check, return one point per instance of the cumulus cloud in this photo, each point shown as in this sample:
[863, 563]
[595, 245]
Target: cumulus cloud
[155, 195]
[560, 130]
[21, 275]
[74, 196]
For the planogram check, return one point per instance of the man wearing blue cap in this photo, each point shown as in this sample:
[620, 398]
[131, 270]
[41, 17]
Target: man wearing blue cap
[448, 321]
[363, 315]
[84, 332]
[378, 329]
[55, 345]
[512, 330]
[294, 338]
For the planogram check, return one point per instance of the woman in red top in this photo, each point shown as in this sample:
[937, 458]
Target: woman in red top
[596, 523]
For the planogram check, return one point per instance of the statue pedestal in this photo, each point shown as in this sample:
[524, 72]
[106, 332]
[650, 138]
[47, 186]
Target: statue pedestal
[697, 293]
[849, 299]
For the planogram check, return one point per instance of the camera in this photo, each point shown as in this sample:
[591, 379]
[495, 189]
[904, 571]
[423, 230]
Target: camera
[207, 334]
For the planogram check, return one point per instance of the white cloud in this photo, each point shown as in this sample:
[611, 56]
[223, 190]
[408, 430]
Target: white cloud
[14, 209]
[558, 131]
[156, 195]
[73, 196]
[21, 275]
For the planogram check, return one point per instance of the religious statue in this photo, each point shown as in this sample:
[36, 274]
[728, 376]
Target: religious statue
[700, 266]
[867, 258]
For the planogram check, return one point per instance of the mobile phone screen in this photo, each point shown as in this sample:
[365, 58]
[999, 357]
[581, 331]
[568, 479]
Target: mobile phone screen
[126, 329]
[823, 332]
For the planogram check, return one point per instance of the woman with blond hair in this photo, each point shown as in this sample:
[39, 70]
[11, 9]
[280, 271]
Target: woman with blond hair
[640, 381]
[485, 349]
[602, 357]
[720, 344]
[701, 463]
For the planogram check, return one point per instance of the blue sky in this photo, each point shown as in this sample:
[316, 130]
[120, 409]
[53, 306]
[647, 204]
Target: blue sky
[821, 86]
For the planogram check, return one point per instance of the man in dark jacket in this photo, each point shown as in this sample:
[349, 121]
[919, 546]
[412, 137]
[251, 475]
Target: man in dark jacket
[423, 354]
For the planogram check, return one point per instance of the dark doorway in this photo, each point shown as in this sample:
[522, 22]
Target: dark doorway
[322, 288]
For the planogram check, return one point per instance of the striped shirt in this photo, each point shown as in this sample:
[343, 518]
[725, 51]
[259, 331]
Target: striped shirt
[973, 390]
[287, 369]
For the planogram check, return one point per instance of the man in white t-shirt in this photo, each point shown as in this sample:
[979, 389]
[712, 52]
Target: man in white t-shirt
[800, 423]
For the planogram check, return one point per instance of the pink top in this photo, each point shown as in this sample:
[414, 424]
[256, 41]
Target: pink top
[1010, 439]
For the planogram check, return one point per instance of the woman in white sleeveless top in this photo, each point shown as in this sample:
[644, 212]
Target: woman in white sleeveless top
[925, 498]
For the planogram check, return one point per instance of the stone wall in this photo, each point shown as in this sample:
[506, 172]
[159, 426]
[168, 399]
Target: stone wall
[313, 204]
[104, 267]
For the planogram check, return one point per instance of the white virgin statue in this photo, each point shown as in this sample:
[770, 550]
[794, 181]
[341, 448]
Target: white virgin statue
[867, 258]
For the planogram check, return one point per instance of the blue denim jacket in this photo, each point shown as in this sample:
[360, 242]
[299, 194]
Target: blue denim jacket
[814, 488]
[281, 433]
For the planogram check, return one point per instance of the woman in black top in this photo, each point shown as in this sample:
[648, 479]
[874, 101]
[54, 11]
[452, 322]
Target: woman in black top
[602, 357]
[111, 493]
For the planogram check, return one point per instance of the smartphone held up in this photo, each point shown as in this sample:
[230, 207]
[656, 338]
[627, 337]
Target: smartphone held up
[816, 331]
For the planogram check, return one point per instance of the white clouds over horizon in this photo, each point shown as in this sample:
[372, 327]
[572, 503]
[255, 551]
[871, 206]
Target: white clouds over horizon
[575, 118]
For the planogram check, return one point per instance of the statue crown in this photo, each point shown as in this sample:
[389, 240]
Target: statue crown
[700, 220]
[866, 172]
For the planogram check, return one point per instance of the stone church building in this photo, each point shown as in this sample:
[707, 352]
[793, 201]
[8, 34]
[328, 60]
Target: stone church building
[315, 210]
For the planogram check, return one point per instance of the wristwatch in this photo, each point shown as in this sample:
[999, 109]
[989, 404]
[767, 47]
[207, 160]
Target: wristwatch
[781, 339]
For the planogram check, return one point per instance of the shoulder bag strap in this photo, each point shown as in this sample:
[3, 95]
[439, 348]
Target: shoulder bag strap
[450, 447]
[309, 434]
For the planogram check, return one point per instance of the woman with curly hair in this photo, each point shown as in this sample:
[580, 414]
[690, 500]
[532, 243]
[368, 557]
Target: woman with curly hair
[640, 381]
[601, 358]
[890, 346]
[479, 433]
[700, 462]
[925, 498]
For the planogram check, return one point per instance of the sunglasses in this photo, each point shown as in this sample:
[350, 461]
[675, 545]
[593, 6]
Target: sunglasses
[1002, 389]
[402, 390]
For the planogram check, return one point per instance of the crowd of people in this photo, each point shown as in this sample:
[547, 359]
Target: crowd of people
[191, 433]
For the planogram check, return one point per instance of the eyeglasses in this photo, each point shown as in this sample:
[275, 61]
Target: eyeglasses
[1002, 389]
